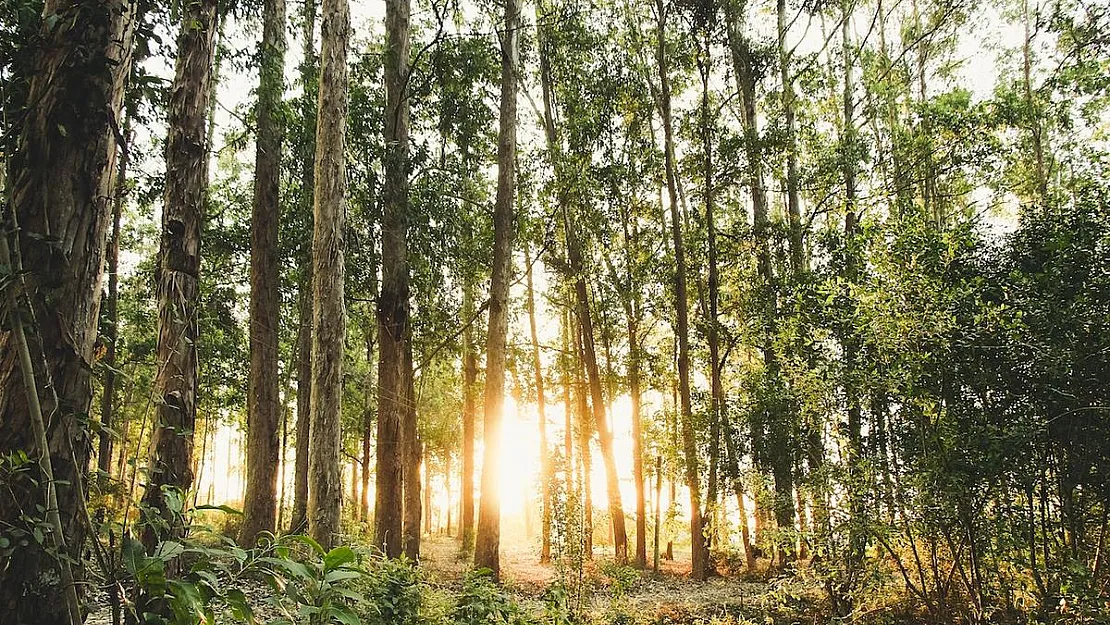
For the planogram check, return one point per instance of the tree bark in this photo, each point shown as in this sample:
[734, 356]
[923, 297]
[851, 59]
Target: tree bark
[469, 418]
[325, 493]
[298, 520]
[488, 543]
[179, 269]
[413, 450]
[263, 403]
[393, 304]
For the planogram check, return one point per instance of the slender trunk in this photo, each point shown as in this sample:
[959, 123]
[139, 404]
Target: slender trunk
[469, 418]
[298, 520]
[793, 205]
[541, 409]
[1036, 130]
[413, 451]
[426, 491]
[488, 543]
[585, 433]
[699, 551]
[263, 404]
[393, 304]
[367, 415]
[111, 331]
[329, 314]
[179, 267]
[635, 393]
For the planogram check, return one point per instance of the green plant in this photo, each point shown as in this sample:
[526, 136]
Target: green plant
[482, 602]
[313, 585]
[394, 593]
[183, 582]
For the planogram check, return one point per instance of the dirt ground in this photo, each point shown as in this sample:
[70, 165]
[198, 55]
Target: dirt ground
[666, 596]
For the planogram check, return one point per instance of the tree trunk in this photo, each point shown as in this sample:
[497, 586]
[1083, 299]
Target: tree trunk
[179, 268]
[546, 471]
[298, 520]
[469, 418]
[488, 544]
[393, 304]
[585, 433]
[698, 549]
[412, 450]
[325, 493]
[263, 404]
[367, 422]
[111, 331]
[637, 437]
[59, 185]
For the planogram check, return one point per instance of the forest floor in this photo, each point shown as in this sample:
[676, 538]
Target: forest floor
[667, 596]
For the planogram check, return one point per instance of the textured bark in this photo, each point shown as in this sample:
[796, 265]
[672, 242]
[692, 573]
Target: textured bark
[488, 541]
[263, 403]
[393, 303]
[413, 451]
[298, 520]
[367, 419]
[329, 317]
[299, 517]
[111, 332]
[585, 434]
[179, 267]
[793, 204]
[699, 551]
[546, 470]
[469, 418]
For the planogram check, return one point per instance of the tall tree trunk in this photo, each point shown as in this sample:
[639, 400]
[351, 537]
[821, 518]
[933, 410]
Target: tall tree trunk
[488, 544]
[793, 205]
[412, 450]
[58, 189]
[426, 491]
[635, 396]
[699, 551]
[367, 417]
[469, 418]
[393, 304]
[179, 266]
[298, 520]
[111, 305]
[546, 471]
[585, 434]
[329, 316]
[263, 404]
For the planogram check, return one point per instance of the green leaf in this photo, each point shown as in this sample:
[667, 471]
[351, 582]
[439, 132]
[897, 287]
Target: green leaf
[307, 540]
[344, 615]
[227, 509]
[341, 575]
[338, 557]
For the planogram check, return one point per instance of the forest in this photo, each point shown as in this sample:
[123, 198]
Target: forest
[459, 312]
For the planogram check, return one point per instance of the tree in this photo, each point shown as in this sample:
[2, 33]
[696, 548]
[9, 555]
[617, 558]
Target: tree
[263, 405]
[178, 274]
[299, 518]
[394, 332]
[699, 547]
[488, 540]
[57, 185]
[329, 317]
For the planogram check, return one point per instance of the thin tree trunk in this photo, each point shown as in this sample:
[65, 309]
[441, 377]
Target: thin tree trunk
[329, 315]
[469, 418]
[111, 331]
[546, 470]
[698, 548]
[263, 404]
[426, 491]
[585, 433]
[367, 423]
[179, 267]
[488, 543]
[298, 520]
[393, 304]
[413, 451]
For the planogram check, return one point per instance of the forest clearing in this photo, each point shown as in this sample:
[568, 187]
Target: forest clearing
[561, 312]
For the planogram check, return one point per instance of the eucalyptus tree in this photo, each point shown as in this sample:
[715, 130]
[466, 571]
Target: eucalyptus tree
[306, 157]
[179, 273]
[57, 184]
[263, 406]
[329, 317]
[393, 302]
[487, 546]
